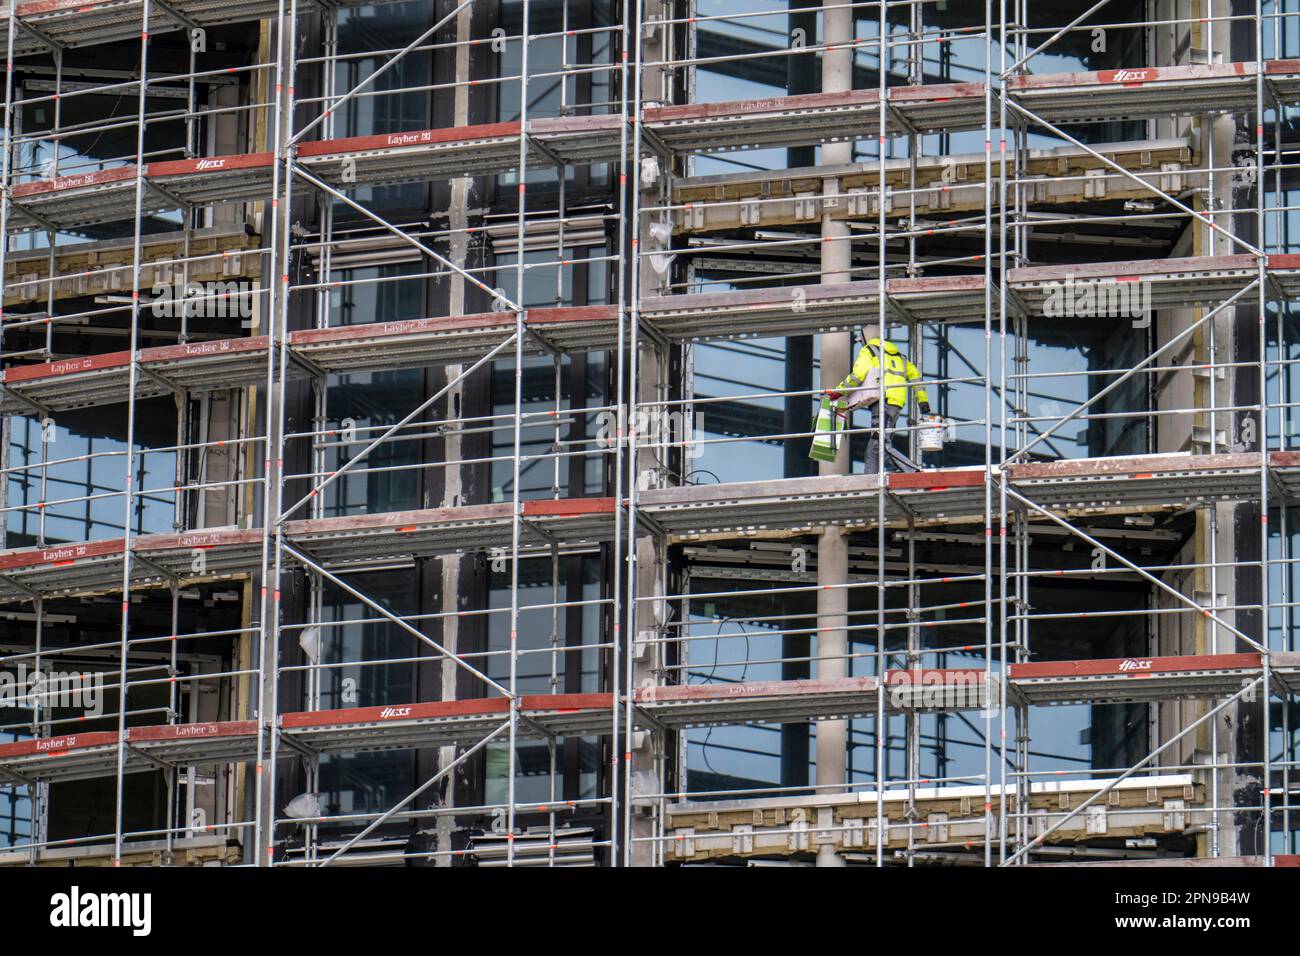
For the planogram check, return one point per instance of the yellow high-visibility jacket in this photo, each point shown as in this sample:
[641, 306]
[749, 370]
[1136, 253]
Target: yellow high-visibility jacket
[895, 375]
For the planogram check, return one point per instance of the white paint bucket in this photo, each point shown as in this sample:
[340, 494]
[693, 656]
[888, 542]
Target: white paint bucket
[932, 434]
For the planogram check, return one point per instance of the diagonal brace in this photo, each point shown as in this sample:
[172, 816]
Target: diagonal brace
[374, 605]
[416, 792]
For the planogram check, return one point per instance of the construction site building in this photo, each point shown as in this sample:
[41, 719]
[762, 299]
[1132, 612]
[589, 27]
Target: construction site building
[407, 414]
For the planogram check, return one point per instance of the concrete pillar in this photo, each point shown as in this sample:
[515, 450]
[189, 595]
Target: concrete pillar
[452, 490]
[1216, 537]
[836, 359]
[646, 470]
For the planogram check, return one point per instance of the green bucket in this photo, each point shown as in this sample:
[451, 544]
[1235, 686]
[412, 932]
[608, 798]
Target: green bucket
[828, 429]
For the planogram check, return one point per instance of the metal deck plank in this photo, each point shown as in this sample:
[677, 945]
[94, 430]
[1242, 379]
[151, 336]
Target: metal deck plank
[1133, 679]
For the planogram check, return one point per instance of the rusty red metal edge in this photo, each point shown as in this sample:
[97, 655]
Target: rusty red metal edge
[1130, 76]
[755, 689]
[209, 164]
[74, 181]
[58, 745]
[482, 706]
[199, 731]
[940, 92]
[414, 138]
[1137, 267]
[567, 507]
[1130, 466]
[936, 480]
[1133, 666]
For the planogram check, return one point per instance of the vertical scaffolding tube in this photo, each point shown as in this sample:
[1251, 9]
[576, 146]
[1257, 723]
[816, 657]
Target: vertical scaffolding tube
[272, 451]
[129, 451]
[517, 434]
[284, 104]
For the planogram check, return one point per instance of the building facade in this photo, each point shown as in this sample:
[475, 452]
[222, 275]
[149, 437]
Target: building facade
[408, 410]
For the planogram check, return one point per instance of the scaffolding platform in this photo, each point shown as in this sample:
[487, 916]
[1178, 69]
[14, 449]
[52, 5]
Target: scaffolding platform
[1134, 679]
[932, 187]
[104, 379]
[949, 819]
[1191, 862]
[799, 505]
[356, 539]
[350, 730]
[85, 381]
[809, 309]
[777, 507]
[477, 150]
[682, 706]
[95, 567]
[443, 723]
[1143, 92]
[48, 24]
[103, 267]
[812, 118]
[1140, 481]
[458, 339]
[108, 195]
[1164, 283]
[98, 379]
[215, 849]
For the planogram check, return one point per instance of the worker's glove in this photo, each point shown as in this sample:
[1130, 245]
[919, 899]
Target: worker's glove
[832, 394]
[924, 407]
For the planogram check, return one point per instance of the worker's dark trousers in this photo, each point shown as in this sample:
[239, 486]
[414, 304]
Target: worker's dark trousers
[873, 437]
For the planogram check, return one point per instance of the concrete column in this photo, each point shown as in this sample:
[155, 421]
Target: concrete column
[836, 359]
[1216, 537]
[646, 470]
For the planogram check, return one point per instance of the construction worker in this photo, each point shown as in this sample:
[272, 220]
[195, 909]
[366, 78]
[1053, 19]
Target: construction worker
[894, 381]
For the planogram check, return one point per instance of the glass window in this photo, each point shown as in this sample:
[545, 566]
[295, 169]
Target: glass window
[351, 633]
[550, 52]
[398, 101]
[362, 404]
[551, 447]
[545, 667]
[82, 480]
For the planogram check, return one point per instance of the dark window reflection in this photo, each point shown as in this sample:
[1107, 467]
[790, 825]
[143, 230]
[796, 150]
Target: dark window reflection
[363, 403]
[555, 656]
[351, 633]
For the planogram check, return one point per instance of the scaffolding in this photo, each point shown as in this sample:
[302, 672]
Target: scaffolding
[941, 562]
